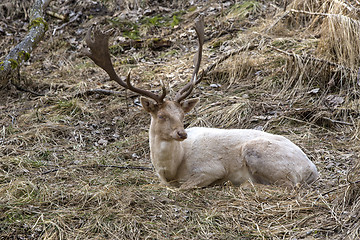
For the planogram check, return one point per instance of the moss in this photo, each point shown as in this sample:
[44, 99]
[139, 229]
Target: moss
[37, 22]
[129, 60]
[68, 108]
[163, 21]
[154, 21]
[176, 21]
[172, 52]
[129, 29]
[23, 55]
[217, 44]
[134, 34]
[134, 31]
[116, 49]
[192, 8]
[14, 64]
[242, 10]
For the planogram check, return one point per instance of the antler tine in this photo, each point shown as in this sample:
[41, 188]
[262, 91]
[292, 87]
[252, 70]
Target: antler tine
[187, 89]
[99, 53]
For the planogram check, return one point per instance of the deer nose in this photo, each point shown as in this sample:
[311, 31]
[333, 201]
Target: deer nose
[182, 134]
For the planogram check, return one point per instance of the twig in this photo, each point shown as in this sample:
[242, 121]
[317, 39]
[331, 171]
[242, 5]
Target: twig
[222, 59]
[99, 91]
[338, 187]
[106, 92]
[50, 171]
[73, 19]
[103, 166]
[337, 121]
[125, 167]
[27, 90]
[58, 16]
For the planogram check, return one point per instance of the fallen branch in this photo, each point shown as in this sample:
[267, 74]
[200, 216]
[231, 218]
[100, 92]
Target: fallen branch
[21, 52]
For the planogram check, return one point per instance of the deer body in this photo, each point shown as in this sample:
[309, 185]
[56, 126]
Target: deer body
[211, 156]
[198, 157]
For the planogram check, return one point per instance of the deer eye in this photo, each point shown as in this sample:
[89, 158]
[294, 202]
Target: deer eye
[162, 117]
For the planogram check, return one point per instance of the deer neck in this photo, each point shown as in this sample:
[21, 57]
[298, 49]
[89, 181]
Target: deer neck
[166, 155]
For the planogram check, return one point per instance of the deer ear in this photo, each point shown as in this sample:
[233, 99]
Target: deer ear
[188, 105]
[148, 104]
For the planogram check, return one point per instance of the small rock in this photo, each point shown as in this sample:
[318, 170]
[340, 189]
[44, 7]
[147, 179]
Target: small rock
[215, 85]
[103, 142]
[314, 91]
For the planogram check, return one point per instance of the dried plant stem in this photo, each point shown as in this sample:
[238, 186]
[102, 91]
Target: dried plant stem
[313, 13]
[311, 58]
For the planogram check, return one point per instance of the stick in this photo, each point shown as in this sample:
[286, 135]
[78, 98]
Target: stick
[99, 91]
[337, 121]
[104, 166]
[73, 19]
[222, 59]
[338, 187]
[125, 167]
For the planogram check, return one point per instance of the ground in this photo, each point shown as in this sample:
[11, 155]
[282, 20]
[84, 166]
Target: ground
[75, 159]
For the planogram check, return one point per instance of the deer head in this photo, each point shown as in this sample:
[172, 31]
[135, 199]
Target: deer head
[167, 115]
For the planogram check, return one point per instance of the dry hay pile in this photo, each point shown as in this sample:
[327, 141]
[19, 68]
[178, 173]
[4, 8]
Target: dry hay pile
[75, 162]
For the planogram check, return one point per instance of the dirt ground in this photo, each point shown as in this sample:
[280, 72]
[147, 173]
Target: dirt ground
[74, 146]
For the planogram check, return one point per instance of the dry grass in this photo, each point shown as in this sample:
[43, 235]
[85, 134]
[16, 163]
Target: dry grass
[67, 158]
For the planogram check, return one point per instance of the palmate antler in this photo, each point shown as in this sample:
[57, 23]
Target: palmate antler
[99, 53]
[187, 89]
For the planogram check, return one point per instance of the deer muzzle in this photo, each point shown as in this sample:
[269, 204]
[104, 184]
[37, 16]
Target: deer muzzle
[181, 134]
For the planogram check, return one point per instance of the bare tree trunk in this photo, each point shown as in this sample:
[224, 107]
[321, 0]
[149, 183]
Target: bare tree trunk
[20, 53]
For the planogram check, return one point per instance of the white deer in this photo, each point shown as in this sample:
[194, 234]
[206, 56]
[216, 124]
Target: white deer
[199, 157]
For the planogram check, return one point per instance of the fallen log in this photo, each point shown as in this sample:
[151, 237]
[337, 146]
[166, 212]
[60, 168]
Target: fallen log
[9, 68]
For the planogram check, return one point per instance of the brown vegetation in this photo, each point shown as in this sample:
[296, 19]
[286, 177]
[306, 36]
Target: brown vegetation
[75, 159]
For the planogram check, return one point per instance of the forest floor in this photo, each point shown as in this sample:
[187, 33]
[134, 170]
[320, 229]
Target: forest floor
[75, 159]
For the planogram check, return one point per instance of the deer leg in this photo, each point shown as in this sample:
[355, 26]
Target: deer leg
[204, 178]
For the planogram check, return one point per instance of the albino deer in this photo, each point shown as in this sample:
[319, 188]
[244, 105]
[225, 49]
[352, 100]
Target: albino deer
[198, 157]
